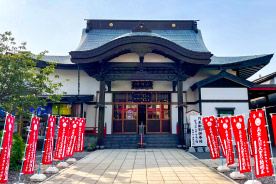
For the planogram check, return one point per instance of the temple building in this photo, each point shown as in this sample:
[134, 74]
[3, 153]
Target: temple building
[126, 73]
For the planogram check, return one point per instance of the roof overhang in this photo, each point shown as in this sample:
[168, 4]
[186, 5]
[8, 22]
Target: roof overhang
[140, 44]
[222, 75]
[245, 68]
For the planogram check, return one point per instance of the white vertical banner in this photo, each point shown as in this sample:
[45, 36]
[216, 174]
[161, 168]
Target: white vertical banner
[198, 136]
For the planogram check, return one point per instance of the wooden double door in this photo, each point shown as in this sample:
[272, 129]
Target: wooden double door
[156, 117]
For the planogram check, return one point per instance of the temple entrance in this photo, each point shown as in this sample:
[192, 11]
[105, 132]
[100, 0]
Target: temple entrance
[130, 109]
[142, 115]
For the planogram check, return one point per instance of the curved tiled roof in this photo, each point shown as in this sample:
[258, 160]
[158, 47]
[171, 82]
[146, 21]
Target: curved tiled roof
[58, 59]
[230, 60]
[215, 60]
[187, 39]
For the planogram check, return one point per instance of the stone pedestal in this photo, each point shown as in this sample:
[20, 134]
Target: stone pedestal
[252, 182]
[62, 165]
[223, 168]
[51, 170]
[206, 149]
[71, 160]
[233, 166]
[236, 175]
[38, 177]
[192, 149]
[200, 149]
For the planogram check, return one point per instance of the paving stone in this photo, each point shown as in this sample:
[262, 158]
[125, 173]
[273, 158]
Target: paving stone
[140, 166]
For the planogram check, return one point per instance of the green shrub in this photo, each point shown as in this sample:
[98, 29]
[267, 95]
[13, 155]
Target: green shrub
[17, 151]
[91, 146]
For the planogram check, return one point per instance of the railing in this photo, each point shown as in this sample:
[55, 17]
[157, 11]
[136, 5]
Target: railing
[94, 131]
[91, 130]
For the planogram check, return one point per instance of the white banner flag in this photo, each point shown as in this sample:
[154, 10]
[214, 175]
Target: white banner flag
[198, 136]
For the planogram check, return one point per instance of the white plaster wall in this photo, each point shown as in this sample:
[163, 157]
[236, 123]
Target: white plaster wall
[88, 85]
[90, 115]
[130, 57]
[126, 86]
[71, 86]
[108, 118]
[224, 94]
[108, 97]
[209, 108]
[174, 118]
[174, 97]
[150, 57]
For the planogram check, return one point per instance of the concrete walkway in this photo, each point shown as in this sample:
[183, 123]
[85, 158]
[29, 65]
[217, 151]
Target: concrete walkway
[139, 166]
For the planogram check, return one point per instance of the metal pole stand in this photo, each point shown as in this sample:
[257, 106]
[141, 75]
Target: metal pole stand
[222, 168]
[236, 175]
[29, 130]
[252, 181]
[39, 176]
[141, 144]
[52, 169]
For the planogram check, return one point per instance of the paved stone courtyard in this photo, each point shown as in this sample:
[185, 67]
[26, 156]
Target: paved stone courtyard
[139, 166]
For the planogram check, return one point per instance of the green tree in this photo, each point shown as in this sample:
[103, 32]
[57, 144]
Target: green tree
[21, 82]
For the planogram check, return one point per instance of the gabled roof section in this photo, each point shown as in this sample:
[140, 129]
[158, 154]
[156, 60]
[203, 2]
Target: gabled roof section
[265, 78]
[215, 60]
[246, 66]
[222, 75]
[58, 59]
[187, 39]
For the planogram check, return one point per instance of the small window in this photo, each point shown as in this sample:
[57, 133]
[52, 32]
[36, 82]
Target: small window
[225, 111]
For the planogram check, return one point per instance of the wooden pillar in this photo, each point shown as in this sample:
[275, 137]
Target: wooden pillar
[101, 112]
[180, 110]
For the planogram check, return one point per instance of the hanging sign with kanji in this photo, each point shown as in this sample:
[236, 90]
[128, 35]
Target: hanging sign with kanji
[72, 138]
[198, 136]
[49, 142]
[62, 138]
[80, 138]
[226, 139]
[30, 155]
[212, 136]
[263, 165]
[241, 143]
[6, 149]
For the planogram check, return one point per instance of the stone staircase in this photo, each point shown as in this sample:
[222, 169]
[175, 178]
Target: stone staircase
[129, 141]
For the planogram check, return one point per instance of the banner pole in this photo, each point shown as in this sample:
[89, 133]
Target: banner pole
[235, 155]
[269, 140]
[249, 146]
[29, 130]
[42, 152]
[221, 155]
[4, 130]
[55, 142]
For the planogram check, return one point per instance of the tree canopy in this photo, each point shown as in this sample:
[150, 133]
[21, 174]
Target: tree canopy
[22, 83]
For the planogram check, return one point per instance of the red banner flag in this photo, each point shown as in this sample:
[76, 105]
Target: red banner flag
[6, 149]
[226, 139]
[80, 137]
[263, 165]
[62, 138]
[49, 142]
[241, 143]
[273, 119]
[212, 136]
[30, 155]
[72, 138]
[249, 134]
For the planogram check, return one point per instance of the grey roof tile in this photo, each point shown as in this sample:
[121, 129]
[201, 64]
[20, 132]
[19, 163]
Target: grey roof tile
[228, 60]
[184, 38]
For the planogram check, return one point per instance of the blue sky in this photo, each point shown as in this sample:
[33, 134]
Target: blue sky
[229, 27]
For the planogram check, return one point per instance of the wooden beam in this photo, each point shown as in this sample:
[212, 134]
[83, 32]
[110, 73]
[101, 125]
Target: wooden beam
[180, 111]
[101, 112]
